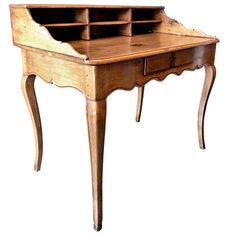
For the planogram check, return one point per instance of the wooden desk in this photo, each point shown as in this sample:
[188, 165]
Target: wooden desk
[99, 49]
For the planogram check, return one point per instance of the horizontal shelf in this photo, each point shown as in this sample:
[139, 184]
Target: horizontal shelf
[101, 23]
[146, 21]
[110, 23]
[64, 24]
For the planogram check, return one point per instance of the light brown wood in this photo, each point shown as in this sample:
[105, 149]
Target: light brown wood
[87, 47]
[108, 50]
[64, 24]
[138, 76]
[158, 62]
[110, 23]
[208, 84]
[27, 85]
[139, 103]
[36, 36]
[45, 65]
[96, 117]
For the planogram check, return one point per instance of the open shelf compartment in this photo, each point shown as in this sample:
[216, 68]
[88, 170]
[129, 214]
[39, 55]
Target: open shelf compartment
[66, 24]
[109, 14]
[139, 14]
[144, 28]
[69, 33]
[103, 31]
[59, 15]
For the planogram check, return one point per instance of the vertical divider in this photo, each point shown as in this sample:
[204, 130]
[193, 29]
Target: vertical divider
[88, 37]
[130, 23]
[126, 29]
[157, 13]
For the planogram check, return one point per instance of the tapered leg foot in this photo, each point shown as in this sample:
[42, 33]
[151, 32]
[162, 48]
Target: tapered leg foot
[97, 227]
[208, 84]
[96, 118]
[139, 103]
[27, 85]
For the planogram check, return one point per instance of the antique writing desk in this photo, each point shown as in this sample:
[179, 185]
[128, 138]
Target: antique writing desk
[99, 49]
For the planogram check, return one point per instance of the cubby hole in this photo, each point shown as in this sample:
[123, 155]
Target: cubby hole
[143, 28]
[145, 14]
[101, 31]
[69, 33]
[108, 14]
[58, 15]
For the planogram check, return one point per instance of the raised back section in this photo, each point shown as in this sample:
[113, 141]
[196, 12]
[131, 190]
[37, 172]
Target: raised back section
[87, 23]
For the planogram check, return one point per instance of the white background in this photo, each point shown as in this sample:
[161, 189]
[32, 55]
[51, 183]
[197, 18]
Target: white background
[156, 179]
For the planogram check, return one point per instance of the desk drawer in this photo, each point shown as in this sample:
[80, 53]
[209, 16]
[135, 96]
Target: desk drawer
[158, 62]
[183, 57]
[169, 60]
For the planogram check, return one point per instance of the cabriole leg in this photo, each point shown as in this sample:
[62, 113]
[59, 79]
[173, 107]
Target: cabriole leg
[139, 103]
[208, 84]
[27, 85]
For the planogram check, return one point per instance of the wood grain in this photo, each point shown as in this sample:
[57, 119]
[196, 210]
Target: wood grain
[115, 49]
[35, 35]
[45, 65]
[64, 24]
[105, 83]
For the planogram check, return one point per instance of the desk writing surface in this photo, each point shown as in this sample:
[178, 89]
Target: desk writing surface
[104, 50]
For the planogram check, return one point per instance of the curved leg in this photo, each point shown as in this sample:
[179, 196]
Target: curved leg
[208, 84]
[96, 119]
[27, 85]
[140, 103]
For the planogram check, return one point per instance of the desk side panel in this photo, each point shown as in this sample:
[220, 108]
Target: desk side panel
[27, 32]
[56, 70]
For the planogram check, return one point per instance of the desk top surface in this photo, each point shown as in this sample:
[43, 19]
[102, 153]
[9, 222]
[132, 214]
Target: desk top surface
[112, 49]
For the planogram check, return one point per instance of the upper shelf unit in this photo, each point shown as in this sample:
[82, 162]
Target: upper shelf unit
[67, 24]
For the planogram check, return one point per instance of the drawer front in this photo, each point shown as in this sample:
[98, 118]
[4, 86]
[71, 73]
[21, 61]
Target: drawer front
[198, 55]
[158, 62]
[183, 57]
